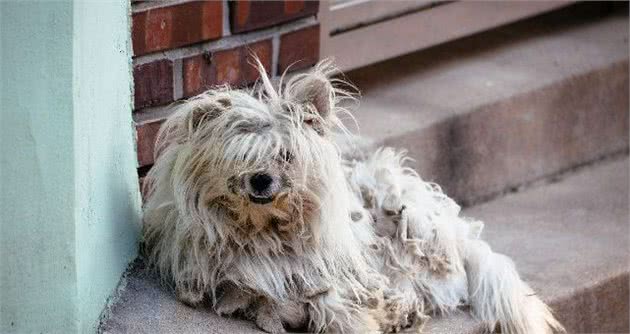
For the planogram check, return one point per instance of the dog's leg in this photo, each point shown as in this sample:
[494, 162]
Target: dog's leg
[329, 312]
[268, 318]
[188, 294]
[401, 309]
[293, 314]
[233, 299]
[500, 298]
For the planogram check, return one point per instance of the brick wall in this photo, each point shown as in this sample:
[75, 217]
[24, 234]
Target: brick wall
[182, 48]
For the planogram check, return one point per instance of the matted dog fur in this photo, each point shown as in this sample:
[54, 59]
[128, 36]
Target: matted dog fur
[263, 204]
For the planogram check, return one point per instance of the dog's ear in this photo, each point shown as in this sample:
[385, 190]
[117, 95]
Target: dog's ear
[315, 90]
[203, 110]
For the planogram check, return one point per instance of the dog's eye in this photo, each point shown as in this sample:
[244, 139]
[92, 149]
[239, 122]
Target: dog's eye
[310, 119]
[314, 123]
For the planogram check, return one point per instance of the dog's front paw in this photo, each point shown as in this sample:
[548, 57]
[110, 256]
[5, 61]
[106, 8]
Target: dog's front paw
[401, 313]
[233, 300]
[188, 296]
[268, 319]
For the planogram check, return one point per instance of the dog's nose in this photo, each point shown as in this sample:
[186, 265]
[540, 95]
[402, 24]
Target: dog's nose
[260, 182]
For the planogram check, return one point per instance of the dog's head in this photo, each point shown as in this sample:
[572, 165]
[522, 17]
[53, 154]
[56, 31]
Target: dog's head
[264, 156]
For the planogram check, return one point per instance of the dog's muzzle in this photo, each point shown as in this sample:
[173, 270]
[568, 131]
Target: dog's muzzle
[260, 200]
[262, 187]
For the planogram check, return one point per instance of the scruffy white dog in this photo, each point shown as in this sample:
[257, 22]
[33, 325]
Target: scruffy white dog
[256, 205]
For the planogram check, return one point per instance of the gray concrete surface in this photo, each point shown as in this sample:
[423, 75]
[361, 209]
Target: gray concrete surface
[500, 109]
[569, 240]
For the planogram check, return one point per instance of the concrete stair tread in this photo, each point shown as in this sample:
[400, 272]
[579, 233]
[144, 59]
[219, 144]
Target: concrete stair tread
[569, 240]
[423, 88]
[504, 108]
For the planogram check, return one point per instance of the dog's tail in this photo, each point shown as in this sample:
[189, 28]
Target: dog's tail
[500, 298]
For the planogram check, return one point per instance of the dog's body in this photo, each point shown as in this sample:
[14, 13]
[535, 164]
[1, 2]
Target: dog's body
[253, 206]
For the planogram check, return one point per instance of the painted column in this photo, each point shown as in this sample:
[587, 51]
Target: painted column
[69, 199]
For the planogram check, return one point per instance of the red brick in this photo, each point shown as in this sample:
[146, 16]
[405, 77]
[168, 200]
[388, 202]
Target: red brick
[153, 83]
[299, 49]
[293, 7]
[177, 25]
[147, 134]
[196, 74]
[230, 66]
[251, 15]
[263, 51]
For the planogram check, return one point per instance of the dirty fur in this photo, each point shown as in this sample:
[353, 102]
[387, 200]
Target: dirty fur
[348, 239]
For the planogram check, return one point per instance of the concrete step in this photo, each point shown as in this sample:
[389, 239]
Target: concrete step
[569, 240]
[485, 114]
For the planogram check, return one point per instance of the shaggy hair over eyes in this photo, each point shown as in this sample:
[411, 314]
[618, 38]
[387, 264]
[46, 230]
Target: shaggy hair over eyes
[348, 238]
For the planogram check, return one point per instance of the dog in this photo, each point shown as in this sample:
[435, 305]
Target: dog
[262, 204]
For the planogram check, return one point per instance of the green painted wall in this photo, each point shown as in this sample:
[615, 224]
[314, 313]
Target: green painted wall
[106, 192]
[38, 265]
[69, 199]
